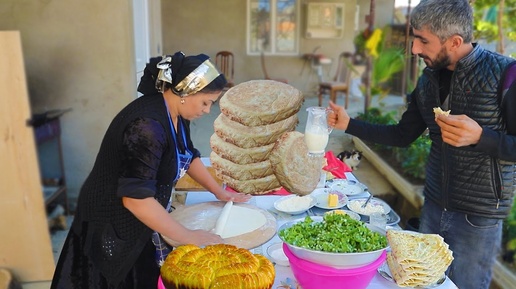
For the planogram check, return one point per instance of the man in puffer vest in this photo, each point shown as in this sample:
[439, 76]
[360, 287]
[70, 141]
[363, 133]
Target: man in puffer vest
[471, 171]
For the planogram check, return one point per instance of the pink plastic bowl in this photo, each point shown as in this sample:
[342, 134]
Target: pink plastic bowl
[160, 283]
[315, 276]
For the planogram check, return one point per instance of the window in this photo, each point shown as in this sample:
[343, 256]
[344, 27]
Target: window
[272, 27]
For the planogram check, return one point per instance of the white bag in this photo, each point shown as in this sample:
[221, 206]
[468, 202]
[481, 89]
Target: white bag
[354, 89]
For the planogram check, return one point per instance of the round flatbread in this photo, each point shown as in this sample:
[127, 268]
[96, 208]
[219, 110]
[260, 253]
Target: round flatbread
[259, 186]
[261, 102]
[237, 154]
[250, 137]
[240, 172]
[297, 172]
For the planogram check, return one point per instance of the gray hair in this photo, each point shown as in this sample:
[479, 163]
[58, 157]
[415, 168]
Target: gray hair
[444, 18]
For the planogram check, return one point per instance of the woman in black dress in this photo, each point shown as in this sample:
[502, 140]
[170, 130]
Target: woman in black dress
[124, 204]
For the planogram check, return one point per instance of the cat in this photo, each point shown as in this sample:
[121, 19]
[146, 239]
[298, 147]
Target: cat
[351, 158]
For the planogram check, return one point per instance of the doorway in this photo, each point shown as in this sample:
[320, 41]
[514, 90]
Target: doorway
[147, 33]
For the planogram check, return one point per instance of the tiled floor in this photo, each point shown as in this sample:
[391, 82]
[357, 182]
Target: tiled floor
[202, 129]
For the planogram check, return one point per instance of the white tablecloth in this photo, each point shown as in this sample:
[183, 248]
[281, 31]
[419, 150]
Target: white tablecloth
[282, 272]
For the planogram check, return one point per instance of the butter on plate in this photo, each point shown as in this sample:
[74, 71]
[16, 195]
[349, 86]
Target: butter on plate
[333, 200]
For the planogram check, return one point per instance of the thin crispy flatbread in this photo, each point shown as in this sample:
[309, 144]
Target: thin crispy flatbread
[438, 110]
[417, 259]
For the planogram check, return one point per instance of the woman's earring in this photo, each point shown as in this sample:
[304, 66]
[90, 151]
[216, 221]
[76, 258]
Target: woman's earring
[182, 100]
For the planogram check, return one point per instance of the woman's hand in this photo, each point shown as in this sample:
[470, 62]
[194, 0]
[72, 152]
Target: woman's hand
[203, 238]
[226, 196]
[339, 119]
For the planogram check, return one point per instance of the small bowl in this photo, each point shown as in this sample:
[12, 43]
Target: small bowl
[356, 206]
[279, 205]
[347, 187]
[351, 214]
[277, 255]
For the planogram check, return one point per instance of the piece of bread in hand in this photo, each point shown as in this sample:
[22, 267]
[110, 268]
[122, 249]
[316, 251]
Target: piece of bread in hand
[438, 110]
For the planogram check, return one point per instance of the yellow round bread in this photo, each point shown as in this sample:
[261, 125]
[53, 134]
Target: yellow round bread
[249, 137]
[261, 102]
[216, 266]
[297, 172]
[238, 155]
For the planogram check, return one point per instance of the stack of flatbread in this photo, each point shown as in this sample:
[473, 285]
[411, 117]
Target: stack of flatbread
[254, 115]
[417, 260]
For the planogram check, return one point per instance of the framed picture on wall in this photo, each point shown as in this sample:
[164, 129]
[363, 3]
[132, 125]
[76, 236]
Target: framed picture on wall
[325, 20]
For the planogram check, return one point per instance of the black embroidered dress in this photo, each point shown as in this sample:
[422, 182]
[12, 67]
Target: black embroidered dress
[107, 246]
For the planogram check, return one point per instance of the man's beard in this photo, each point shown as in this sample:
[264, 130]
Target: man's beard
[442, 60]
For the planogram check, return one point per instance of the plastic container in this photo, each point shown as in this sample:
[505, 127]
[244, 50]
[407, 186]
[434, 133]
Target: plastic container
[315, 276]
[160, 283]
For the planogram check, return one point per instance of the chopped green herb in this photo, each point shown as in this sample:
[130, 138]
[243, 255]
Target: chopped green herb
[335, 234]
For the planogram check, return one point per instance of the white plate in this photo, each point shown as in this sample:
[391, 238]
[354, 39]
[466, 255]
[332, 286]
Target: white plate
[385, 272]
[296, 211]
[276, 254]
[322, 200]
[356, 206]
[346, 187]
[353, 215]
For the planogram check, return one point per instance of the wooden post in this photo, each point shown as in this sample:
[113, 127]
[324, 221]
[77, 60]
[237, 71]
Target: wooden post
[408, 52]
[369, 61]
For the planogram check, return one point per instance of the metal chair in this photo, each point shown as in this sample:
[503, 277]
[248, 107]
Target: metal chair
[341, 81]
[225, 61]
[264, 69]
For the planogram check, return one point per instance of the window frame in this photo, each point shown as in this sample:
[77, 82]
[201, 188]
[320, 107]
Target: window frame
[273, 16]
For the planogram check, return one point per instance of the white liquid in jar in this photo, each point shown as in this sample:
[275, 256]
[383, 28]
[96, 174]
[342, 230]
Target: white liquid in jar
[316, 142]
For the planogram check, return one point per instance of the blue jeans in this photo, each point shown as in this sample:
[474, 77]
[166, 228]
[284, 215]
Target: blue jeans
[475, 242]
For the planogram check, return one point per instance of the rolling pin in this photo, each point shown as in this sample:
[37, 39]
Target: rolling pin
[223, 218]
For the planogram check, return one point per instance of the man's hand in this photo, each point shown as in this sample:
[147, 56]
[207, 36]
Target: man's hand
[459, 130]
[339, 118]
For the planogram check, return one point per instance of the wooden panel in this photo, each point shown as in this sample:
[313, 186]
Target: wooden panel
[25, 246]
[186, 183]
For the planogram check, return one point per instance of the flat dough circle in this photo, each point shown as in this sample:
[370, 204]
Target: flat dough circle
[254, 220]
[204, 216]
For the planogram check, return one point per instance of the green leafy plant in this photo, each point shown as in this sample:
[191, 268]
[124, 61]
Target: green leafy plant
[509, 237]
[493, 26]
[413, 158]
[386, 61]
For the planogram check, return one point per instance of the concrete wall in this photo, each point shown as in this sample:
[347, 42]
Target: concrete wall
[79, 54]
[187, 27]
